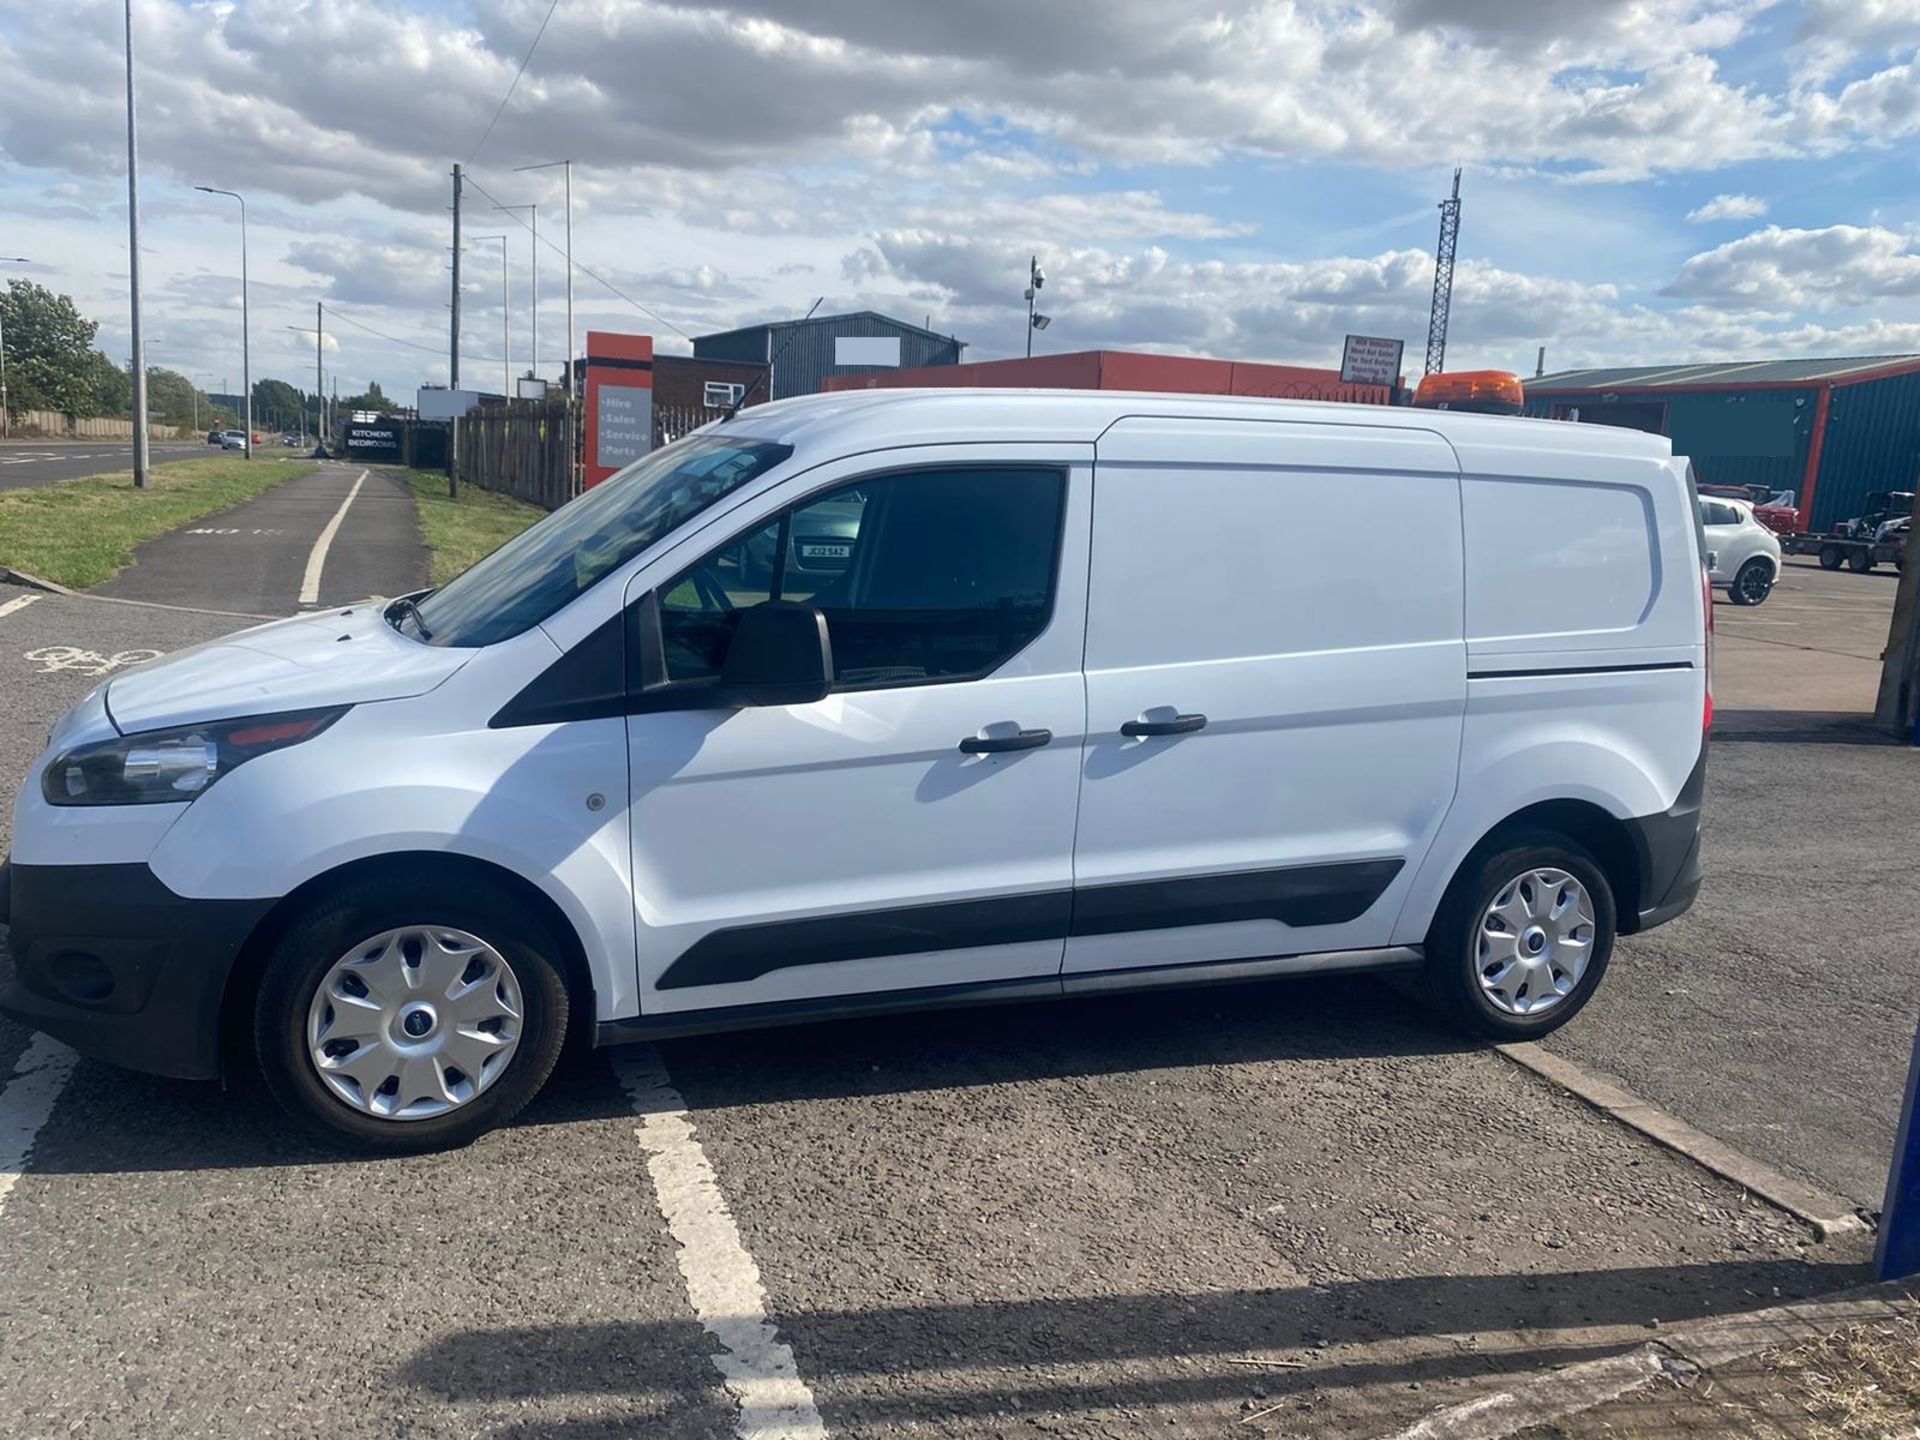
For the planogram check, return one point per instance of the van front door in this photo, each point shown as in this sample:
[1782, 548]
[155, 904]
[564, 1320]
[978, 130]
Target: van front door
[1276, 678]
[914, 829]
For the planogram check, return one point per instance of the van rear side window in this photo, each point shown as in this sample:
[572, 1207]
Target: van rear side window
[1550, 557]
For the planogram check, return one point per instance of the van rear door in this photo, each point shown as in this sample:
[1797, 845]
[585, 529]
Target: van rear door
[1276, 673]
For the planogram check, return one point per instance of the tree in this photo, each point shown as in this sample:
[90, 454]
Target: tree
[108, 389]
[175, 400]
[51, 362]
[374, 399]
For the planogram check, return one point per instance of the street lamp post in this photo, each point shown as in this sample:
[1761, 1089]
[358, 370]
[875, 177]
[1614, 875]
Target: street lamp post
[6, 420]
[133, 276]
[246, 361]
[572, 445]
[533, 227]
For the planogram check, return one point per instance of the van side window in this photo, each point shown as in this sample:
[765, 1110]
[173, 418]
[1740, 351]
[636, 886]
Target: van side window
[923, 576]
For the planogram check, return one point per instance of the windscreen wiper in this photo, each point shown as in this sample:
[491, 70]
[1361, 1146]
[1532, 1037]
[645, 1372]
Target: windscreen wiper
[406, 605]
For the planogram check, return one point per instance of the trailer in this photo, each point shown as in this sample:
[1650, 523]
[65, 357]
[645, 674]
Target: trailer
[1878, 537]
[1835, 550]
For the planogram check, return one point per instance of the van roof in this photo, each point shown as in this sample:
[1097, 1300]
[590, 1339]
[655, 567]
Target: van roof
[882, 418]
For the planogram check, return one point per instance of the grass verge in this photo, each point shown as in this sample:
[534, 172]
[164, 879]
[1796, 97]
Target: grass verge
[459, 532]
[78, 533]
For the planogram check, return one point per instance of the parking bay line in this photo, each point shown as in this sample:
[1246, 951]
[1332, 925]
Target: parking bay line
[15, 605]
[722, 1280]
[310, 582]
[38, 1077]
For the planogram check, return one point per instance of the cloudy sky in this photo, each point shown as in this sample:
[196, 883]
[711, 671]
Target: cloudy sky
[1646, 180]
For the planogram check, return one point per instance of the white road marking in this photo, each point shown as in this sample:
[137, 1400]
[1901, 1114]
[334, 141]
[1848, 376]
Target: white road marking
[723, 1283]
[54, 658]
[38, 1077]
[310, 583]
[15, 606]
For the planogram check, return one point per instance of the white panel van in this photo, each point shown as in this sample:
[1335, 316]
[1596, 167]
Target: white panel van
[878, 701]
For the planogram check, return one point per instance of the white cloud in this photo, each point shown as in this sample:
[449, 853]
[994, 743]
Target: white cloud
[1728, 207]
[1775, 269]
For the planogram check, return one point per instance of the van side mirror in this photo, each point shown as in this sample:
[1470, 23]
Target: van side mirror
[780, 655]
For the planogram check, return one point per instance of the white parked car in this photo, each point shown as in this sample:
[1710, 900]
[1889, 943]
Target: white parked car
[1745, 554]
[1062, 721]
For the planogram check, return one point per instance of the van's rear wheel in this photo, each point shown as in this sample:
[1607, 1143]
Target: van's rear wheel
[1522, 938]
[397, 1019]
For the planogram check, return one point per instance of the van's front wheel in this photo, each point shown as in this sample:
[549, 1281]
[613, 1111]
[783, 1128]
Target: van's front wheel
[1522, 939]
[397, 1020]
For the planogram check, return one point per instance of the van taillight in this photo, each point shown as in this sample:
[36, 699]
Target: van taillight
[1706, 600]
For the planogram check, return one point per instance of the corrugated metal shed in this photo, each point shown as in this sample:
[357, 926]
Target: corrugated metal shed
[1845, 369]
[1132, 370]
[806, 348]
[1830, 431]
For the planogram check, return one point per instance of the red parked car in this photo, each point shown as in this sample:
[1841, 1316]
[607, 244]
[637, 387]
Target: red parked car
[1775, 509]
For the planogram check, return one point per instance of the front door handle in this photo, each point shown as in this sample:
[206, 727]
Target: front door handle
[1178, 725]
[996, 744]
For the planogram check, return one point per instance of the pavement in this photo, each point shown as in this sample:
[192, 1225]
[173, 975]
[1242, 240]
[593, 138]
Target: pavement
[1298, 1209]
[25, 464]
[340, 534]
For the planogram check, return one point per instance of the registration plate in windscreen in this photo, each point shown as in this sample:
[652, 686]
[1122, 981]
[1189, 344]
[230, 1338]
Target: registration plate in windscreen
[826, 551]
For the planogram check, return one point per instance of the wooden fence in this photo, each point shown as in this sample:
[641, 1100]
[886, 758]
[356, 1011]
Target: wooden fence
[53, 425]
[522, 452]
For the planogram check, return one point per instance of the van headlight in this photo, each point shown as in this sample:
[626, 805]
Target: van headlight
[171, 767]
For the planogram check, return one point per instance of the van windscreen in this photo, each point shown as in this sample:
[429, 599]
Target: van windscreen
[563, 556]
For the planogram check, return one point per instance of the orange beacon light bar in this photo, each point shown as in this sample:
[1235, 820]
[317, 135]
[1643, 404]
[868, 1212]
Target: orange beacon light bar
[1486, 392]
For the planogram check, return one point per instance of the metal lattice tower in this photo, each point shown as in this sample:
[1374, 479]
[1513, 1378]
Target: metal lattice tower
[1443, 279]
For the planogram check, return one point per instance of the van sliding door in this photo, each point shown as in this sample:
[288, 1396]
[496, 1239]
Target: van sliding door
[1276, 676]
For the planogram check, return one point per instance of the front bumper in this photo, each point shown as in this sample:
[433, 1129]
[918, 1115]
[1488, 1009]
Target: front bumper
[109, 960]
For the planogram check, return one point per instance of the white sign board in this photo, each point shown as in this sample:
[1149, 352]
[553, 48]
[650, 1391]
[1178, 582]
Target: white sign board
[438, 404]
[867, 350]
[527, 388]
[626, 425]
[1370, 360]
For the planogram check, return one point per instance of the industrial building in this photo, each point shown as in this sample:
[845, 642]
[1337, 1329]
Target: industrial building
[1829, 431]
[806, 354]
[1132, 370]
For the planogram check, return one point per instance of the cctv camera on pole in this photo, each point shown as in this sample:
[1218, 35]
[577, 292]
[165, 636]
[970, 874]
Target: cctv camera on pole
[1036, 278]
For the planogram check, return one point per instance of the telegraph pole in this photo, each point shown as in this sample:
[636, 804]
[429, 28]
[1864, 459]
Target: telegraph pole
[133, 277]
[453, 354]
[319, 381]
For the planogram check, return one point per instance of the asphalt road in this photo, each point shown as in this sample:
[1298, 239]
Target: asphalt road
[340, 534]
[1085, 1219]
[1779, 1013]
[24, 465]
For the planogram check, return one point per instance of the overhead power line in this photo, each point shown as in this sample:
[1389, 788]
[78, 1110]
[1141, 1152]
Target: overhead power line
[438, 350]
[651, 314]
[516, 80]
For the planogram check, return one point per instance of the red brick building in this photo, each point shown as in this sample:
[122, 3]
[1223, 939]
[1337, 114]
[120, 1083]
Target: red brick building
[1131, 370]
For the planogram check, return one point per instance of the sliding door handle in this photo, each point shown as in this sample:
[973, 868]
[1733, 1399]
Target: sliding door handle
[1178, 725]
[996, 744]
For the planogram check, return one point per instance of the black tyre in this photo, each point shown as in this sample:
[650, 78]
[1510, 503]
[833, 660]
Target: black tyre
[394, 1018]
[1522, 938]
[1752, 584]
[1830, 557]
[1860, 560]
